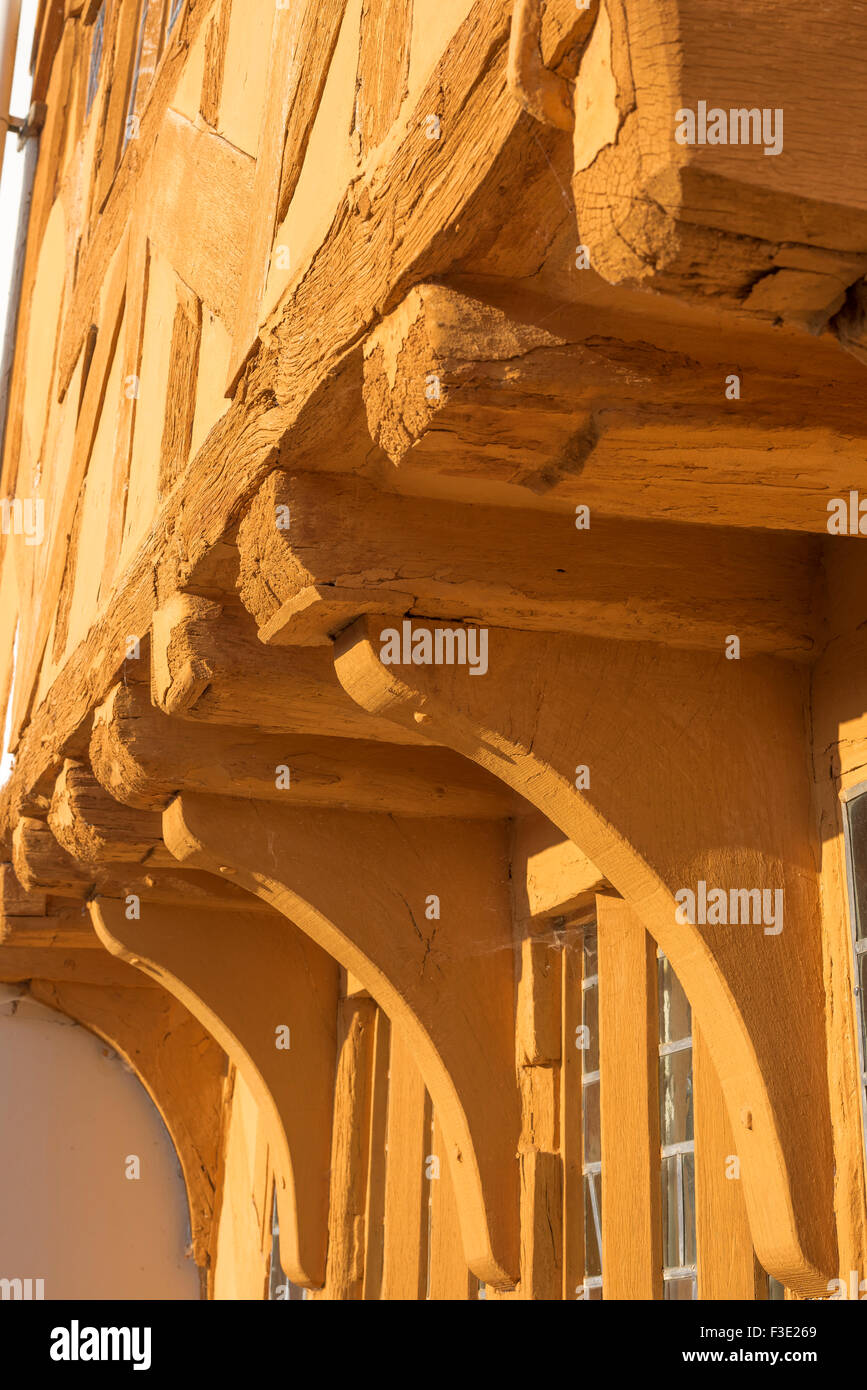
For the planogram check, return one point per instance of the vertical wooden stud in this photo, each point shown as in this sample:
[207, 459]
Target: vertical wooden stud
[628, 1064]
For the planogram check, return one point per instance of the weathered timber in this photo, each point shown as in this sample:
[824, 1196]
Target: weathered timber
[383, 67]
[143, 758]
[781, 237]
[448, 1278]
[374, 1210]
[302, 44]
[42, 863]
[455, 221]
[350, 1150]
[95, 829]
[501, 566]
[551, 875]
[115, 216]
[728, 1268]
[201, 208]
[84, 967]
[602, 413]
[538, 1054]
[48, 933]
[16, 901]
[208, 664]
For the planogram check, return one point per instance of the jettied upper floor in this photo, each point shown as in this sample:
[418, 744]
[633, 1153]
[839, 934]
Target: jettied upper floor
[546, 322]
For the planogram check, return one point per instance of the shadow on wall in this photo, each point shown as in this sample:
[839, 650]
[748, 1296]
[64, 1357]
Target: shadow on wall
[74, 1122]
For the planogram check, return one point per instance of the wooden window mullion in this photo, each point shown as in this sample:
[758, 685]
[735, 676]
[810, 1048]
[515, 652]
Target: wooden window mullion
[628, 1058]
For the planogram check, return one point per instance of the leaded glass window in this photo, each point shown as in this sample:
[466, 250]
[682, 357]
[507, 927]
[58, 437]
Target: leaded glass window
[279, 1288]
[97, 39]
[131, 127]
[677, 1136]
[591, 1146]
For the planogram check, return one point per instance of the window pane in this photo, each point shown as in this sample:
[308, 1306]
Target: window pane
[678, 1290]
[675, 1097]
[130, 128]
[675, 1018]
[776, 1291]
[96, 42]
[688, 1169]
[593, 1294]
[592, 1145]
[670, 1245]
[856, 817]
[592, 1242]
[590, 967]
[591, 1023]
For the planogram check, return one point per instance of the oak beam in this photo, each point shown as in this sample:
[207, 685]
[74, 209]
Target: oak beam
[15, 901]
[687, 586]
[551, 875]
[40, 862]
[450, 1279]
[83, 967]
[144, 758]
[604, 411]
[705, 213]
[96, 829]
[61, 932]
[208, 665]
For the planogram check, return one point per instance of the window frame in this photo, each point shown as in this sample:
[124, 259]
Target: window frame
[174, 9]
[135, 73]
[592, 1170]
[859, 948]
[678, 1151]
[97, 27]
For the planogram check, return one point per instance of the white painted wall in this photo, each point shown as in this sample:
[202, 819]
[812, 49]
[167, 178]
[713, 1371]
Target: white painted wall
[71, 1112]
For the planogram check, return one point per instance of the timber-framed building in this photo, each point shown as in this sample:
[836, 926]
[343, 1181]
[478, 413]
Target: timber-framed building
[434, 631]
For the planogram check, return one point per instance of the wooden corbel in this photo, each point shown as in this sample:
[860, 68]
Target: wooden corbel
[268, 995]
[418, 910]
[670, 769]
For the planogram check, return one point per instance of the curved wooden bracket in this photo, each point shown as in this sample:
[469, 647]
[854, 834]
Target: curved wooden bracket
[694, 772]
[246, 976]
[419, 911]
